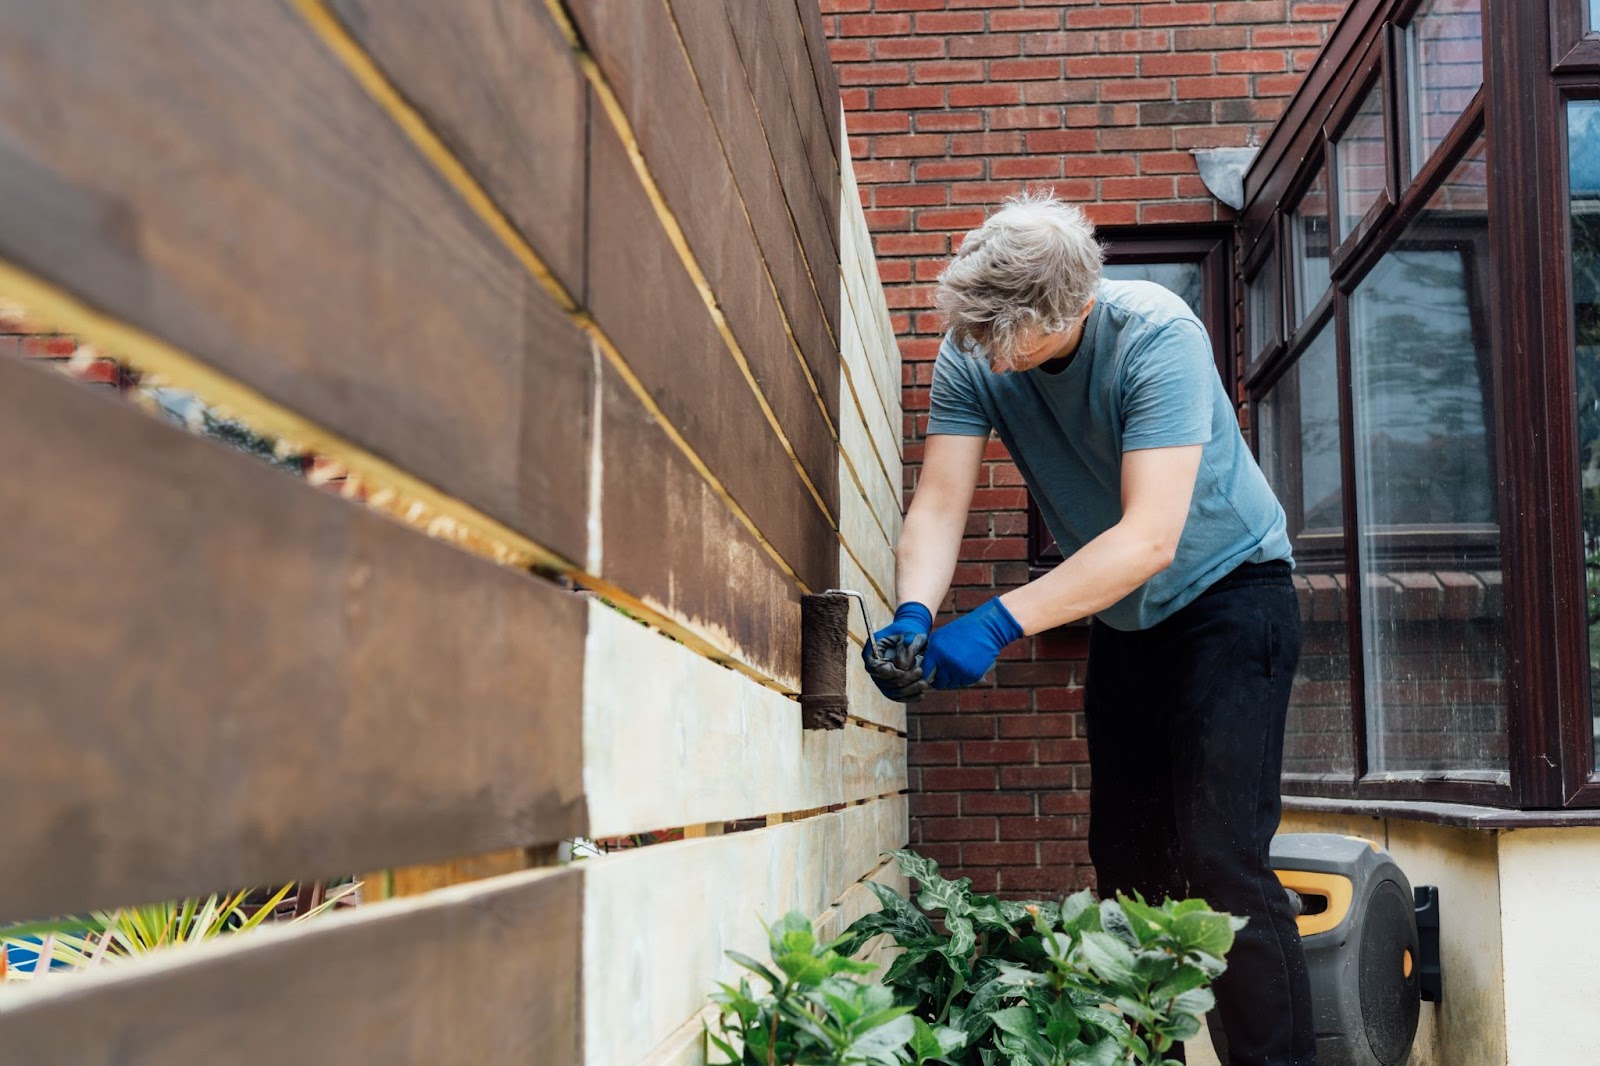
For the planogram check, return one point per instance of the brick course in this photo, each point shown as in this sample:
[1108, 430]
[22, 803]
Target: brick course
[953, 105]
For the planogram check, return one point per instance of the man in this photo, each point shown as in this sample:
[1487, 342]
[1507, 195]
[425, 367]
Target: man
[1106, 396]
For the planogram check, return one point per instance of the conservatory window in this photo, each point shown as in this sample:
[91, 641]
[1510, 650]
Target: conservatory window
[1444, 53]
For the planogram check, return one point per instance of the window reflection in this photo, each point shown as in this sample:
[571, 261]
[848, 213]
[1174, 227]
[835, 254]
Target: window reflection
[1583, 140]
[1261, 305]
[1309, 247]
[1425, 477]
[1181, 278]
[1300, 447]
[1360, 155]
[1444, 46]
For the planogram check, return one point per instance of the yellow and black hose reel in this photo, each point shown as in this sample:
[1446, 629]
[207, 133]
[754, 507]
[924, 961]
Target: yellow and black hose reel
[1371, 942]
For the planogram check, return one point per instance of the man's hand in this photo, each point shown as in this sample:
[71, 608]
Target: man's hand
[961, 652]
[894, 654]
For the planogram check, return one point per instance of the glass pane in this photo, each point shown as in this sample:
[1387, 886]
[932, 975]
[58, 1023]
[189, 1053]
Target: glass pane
[1429, 546]
[1261, 301]
[1181, 278]
[1308, 237]
[1583, 150]
[1445, 47]
[1360, 155]
[1594, 15]
[1300, 446]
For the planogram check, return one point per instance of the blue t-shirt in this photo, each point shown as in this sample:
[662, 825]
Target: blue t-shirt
[1142, 377]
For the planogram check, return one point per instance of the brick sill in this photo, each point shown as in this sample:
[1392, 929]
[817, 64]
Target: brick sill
[1457, 815]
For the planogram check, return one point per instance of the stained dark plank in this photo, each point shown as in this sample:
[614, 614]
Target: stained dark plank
[705, 33]
[487, 974]
[643, 298]
[226, 185]
[466, 67]
[671, 540]
[822, 69]
[787, 38]
[637, 48]
[215, 675]
[816, 220]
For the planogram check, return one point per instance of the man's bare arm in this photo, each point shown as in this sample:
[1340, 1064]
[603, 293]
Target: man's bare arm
[1157, 486]
[930, 541]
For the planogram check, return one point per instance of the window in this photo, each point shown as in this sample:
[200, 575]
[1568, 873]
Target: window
[1583, 155]
[1428, 544]
[1298, 440]
[1261, 298]
[1444, 56]
[1309, 249]
[1360, 155]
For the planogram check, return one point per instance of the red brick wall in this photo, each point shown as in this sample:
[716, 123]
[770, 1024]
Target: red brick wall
[955, 104]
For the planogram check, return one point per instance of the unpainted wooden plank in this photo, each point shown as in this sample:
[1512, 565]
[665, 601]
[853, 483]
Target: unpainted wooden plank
[648, 306]
[861, 296]
[706, 897]
[636, 47]
[671, 738]
[866, 702]
[228, 186]
[672, 542]
[858, 900]
[864, 538]
[218, 676]
[466, 68]
[487, 973]
[815, 221]
[873, 459]
[704, 31]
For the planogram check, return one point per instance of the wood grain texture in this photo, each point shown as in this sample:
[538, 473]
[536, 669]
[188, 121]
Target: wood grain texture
[816, 221]
[822, 71]
[787, 38]
[705, 33]
[648, 306]
[466, 66]
[218, 676]
[637, 48]
[672, 542]
[226, 185]
[486, 974]
[706, 897]
[671, 739]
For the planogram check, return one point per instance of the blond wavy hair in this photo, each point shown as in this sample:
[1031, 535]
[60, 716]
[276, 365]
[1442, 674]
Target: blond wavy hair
[1030, 269]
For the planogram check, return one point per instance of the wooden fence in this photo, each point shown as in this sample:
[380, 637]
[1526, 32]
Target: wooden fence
[582, 293]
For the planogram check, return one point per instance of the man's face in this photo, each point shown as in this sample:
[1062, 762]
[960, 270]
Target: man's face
[1038, 348]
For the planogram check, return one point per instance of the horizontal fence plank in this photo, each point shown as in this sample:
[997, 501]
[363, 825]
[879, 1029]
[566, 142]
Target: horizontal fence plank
[706, 897]
[673, 739]
[866, 702]
[670, 541]
[822, 69]
[226, 184]
[637, 48]
[465, 67]
[858, 900]
[816, 222]
[866, 538]
[786, 37]
[862, 296]
[218, 676]
[647, 304]
[487, 974]
[870, 466]
[704, 30]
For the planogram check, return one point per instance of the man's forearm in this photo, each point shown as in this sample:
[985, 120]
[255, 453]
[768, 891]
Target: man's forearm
[925, 559]
[1093, 578]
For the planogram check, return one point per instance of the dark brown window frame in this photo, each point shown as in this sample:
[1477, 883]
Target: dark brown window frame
[1212, 247]
[1537, 57]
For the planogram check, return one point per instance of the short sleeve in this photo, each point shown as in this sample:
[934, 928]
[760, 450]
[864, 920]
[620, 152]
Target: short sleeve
[1168, 389]
[953, 404]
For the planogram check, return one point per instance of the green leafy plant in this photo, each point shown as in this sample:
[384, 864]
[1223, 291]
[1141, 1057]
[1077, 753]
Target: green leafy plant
[106, 936]
[815, 1012]
[1077, 983]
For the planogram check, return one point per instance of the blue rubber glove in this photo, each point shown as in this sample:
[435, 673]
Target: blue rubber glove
[894, 654]
[961, 652]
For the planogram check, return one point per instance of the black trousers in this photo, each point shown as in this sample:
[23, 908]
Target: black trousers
[1185, 724]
